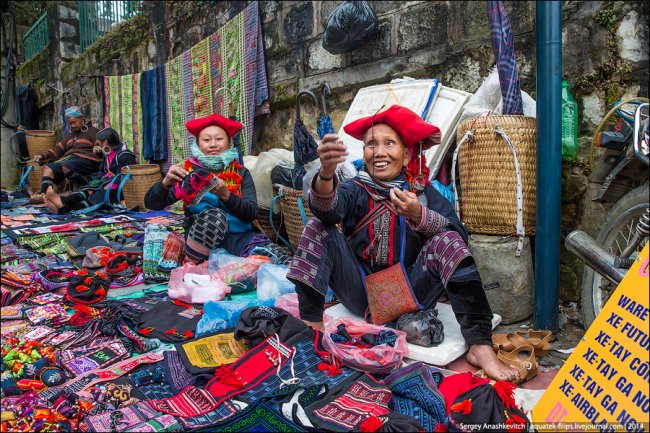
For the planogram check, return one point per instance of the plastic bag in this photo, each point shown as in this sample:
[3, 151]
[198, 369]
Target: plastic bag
[192, 283]
[289, 303]
[261, 173]
[272, 281]
[238, 272]
[488, 99]
[381, 359]
[422, 328]
[224, 314]
[349, 26]
[445, 191]
[282, 175]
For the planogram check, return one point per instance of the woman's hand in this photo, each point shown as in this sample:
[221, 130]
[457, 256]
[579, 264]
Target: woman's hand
[176, 173]
[331, 152]
[38, 158]
[407, 205]
[221, 190]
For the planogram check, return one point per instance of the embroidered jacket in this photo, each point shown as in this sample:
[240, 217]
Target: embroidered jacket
[350, 202]
[75, 143]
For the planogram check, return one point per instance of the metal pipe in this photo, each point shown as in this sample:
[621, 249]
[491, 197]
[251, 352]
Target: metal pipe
[637, 134]
[548, 25]
[594, 255]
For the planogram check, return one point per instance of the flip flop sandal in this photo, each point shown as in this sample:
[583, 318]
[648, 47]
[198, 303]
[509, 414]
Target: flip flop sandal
[521, 359]
[538, 339]
[508, 342]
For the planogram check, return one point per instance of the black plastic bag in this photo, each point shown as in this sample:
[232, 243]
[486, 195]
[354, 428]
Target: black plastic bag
[283, 175]
[422, 328]
[350, 26]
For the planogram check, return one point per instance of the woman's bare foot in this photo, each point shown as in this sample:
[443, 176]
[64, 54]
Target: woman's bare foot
[53, 198]
[483, 356]
[51, 206]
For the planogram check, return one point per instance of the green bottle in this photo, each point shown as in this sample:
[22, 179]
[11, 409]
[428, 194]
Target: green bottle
[569, 123]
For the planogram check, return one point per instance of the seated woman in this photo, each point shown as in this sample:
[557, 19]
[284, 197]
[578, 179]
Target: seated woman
[435, 255]
[115, 156]
[73, 157]
[218, 194]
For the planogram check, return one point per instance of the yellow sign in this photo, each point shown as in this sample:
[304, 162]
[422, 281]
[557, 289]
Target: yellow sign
[603, 386]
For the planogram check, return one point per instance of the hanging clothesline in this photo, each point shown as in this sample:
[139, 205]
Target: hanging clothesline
[149, 109]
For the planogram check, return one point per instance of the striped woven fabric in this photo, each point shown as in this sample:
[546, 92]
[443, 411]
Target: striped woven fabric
[123, 110]
[232, 57]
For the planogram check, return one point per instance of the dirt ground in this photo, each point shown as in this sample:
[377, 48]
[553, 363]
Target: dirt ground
[571, 330]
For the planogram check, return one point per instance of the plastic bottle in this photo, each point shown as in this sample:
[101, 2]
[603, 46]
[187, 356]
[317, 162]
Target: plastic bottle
[569, 123]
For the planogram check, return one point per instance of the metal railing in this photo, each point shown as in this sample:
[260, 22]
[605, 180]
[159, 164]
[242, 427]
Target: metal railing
[36, 38]
[96, 18]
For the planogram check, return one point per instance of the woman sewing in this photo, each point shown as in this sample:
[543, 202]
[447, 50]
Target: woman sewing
[217, 192]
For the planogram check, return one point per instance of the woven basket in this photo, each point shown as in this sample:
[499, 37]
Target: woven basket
[35, 177]
[143, 177]
[488, 178]
[293, 220]
[264, 223]
[39, 142]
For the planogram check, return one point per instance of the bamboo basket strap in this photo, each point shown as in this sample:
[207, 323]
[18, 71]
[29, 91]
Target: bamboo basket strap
[521, 231]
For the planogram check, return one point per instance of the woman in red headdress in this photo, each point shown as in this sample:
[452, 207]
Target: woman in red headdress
[387, 215]
[217, 192]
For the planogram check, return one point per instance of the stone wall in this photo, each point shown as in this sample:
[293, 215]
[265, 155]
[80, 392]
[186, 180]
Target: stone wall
[605, 56]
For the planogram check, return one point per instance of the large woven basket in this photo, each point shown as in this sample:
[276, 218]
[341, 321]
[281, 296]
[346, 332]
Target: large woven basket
[264, 224]
[39, 142]
[143, 177]
[35, 177]
[294, 220]
[489, 179]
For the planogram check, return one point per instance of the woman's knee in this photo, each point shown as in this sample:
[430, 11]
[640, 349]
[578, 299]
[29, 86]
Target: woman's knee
[206, 233]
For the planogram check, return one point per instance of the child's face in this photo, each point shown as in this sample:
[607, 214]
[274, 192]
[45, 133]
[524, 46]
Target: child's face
[213, 141]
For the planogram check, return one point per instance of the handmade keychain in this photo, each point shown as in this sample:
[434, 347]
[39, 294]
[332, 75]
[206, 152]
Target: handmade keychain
[420, 182]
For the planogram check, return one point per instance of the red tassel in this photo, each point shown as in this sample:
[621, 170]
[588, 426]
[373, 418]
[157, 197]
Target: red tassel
[227, 376]
[146, 331]
[440, 428]
[81, 288]
[171, 331]
[464, 406]
[332, 369]
[88, 280]
[371, 424]
[101, 291]
[189, 334]
[506, 392]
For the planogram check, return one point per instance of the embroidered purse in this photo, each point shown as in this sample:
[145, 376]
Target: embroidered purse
[389, 291]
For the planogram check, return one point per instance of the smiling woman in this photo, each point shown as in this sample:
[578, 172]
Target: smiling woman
[217, 192]
[406, 243]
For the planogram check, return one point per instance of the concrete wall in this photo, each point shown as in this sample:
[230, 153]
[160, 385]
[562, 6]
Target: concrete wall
[605, 56]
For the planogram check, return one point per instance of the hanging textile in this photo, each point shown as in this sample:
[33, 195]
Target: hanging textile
[504, 53]
[123, 110]
[153, 97]
[232, 57]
